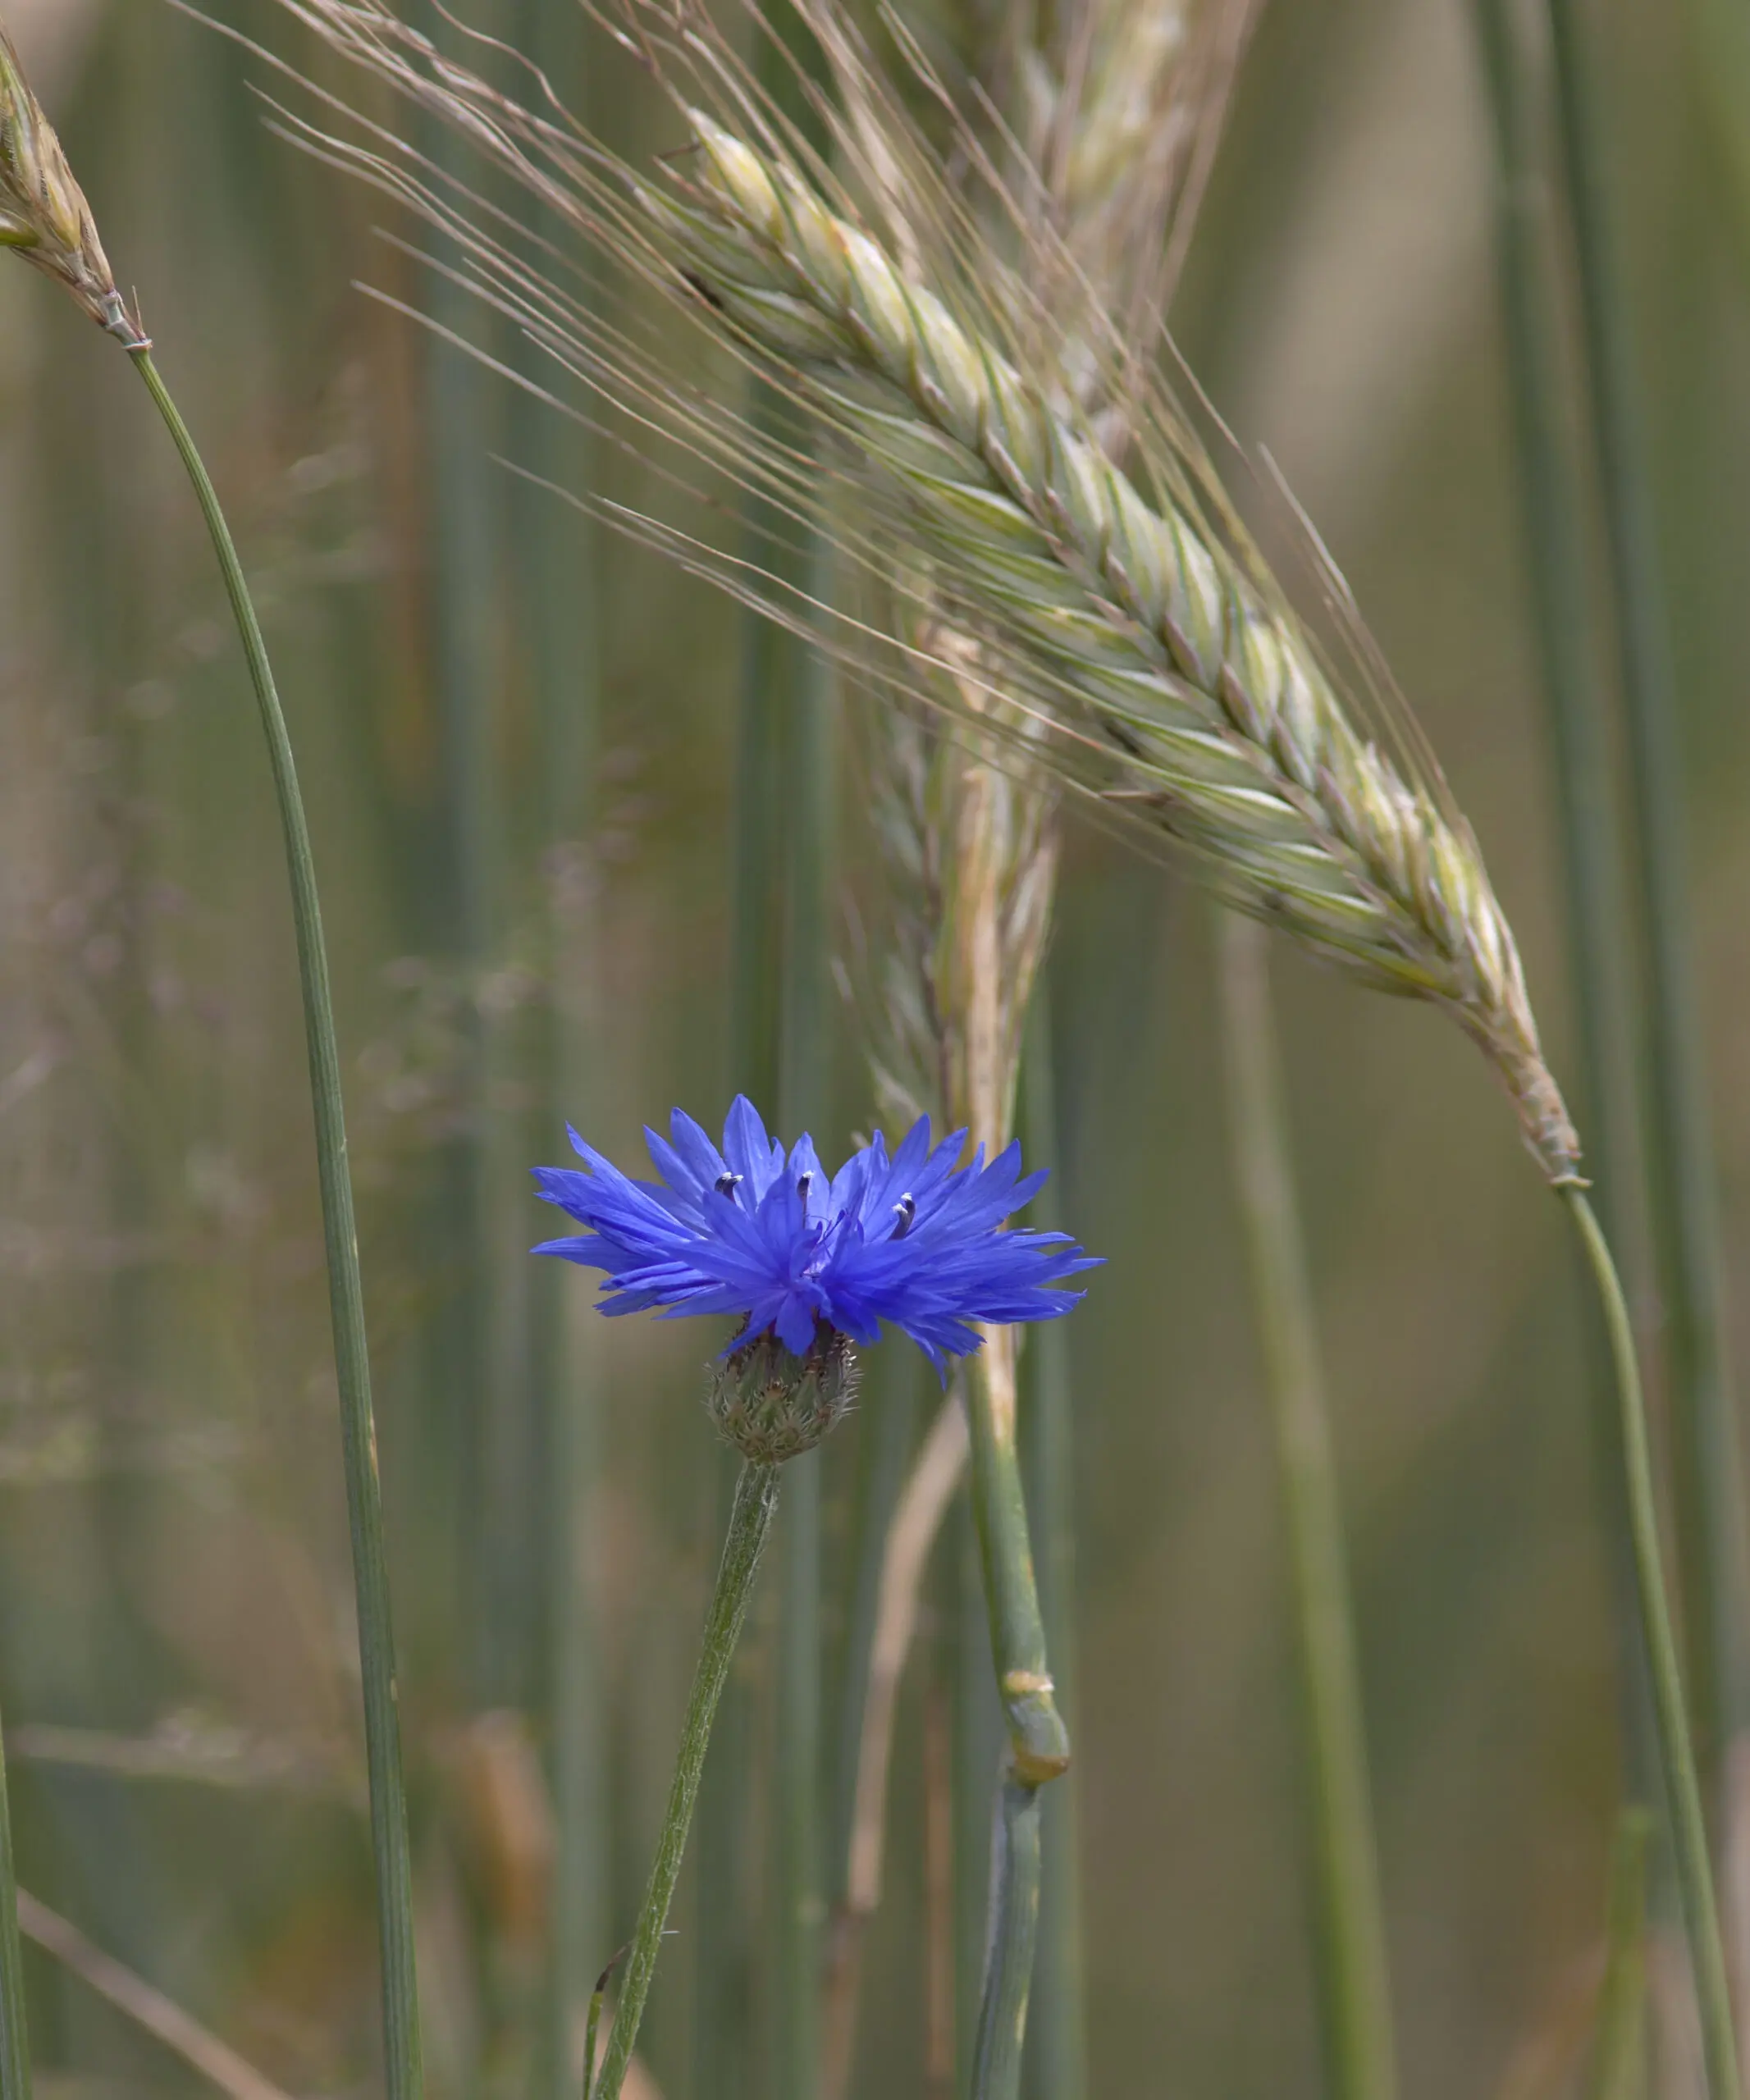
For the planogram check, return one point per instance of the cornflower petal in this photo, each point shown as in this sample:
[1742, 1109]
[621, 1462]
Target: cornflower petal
[912, 1239]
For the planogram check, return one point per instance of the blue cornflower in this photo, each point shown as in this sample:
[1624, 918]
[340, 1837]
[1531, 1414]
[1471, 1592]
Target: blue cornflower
[909, 1240]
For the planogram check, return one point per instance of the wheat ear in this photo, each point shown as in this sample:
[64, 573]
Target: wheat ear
[1137, 622]
[43, 215]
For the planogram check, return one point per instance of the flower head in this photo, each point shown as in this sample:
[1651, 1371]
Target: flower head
[910, 1239]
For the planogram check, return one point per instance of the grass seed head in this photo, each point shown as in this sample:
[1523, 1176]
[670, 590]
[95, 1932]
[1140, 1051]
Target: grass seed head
[1119, 609]
[43, 215]
[1116, 606]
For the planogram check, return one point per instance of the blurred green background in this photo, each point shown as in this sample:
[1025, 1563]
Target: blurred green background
[516, 735]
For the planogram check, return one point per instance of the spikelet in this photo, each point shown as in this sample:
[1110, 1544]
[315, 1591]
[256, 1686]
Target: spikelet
[1125, 611]
[43, 215]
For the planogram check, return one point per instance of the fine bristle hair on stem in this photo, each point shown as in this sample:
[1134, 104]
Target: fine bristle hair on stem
[43, 215]
[1119, 607]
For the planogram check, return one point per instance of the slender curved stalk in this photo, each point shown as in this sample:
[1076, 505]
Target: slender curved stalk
[1015, 1868]
[1354, 1977]
[364, 1509]
[15, 2033]
[1707, 1474]
[1684, 1795]
[1599, 935]
[749, 1522]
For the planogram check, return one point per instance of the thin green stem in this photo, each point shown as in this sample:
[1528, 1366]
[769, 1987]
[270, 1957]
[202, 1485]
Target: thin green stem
[749, 1522]
[723, 2020]
[1618, 2070]
[1039, 1746]
[1598, 920]
[1039, 1741]
[394, 1900]
[1015, 1870]
[1682, 1793]
[803, 1104]
[1057, 2062]
[556, 569]
[1355, 1977]
[15, 2033]
[1707, 1475]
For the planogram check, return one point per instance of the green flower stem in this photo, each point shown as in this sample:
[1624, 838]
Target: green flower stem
[1355, 1980]
[15, 2035]
[749, 1522]
[383, 1737]
[1682, 1793]
[1015, 1868]
[1705, 1451]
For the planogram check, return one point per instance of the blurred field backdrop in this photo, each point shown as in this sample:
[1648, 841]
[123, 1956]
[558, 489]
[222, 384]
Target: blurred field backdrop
[516, 737]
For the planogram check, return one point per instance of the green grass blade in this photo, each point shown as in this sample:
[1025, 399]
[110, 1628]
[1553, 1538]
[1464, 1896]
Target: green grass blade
[15, 2033]
[1695, 1882]
[382, 1731]
[1597, 922]
[804, 1103]
[1619, 2066]
[1706, 1444]
[1355, 1980]
[1057, 2055]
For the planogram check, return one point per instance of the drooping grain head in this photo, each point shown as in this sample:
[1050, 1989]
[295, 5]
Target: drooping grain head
[1119, 611]
[43, 215]
[1118, 608]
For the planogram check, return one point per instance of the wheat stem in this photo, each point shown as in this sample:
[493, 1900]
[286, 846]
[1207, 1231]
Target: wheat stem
[558, 559]
[1618, 2070]
[749, 1522]
[1682, 1792]
[394, 1906]
[1354, 1977]
[1059, 2016]
[1707, 1446]
[15, 2033]
[804, 1096]
[723, 2020]
[1596, 917]
[1016, 1859]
